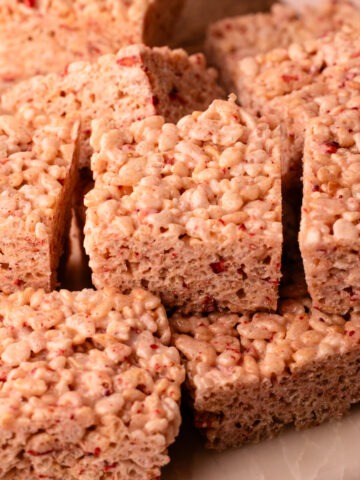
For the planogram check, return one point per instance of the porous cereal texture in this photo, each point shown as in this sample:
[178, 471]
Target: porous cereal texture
[135, 83]
[190, 211]
[335, 86]
[231, 40]
[52, 34]
[250, 376]
[330, 224]
[131, 21]
[38, 171]
[89, 388]
[284, 70]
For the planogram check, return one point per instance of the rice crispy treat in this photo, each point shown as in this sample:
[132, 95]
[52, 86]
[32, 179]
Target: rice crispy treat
[335, 86]
[89, 387]
[131, 21]
[282, 71]
[38, 171]
[54, 34]
[190, 211]
[231, 40]
[330, 223]
[135, 83]
[250, 376]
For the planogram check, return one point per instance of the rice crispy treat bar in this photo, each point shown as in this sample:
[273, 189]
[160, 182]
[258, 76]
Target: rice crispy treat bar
[250, 376]
[89, 387]
[231, 40]
[330, 223]
[191, 211]
[282, 71]
[135, 83]
[51, 35]
[335, 86]
[38, 171]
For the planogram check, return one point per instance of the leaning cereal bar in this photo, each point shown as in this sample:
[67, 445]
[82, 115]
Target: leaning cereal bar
[249, 376]
[191, 211]
[50, 35]
[38, 170]
[330, 224]
[264, 38]
[89, 388]
[133, 84]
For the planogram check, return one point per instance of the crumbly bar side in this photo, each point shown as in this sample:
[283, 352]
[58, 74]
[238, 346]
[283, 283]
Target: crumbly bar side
[89, 387]
[38, 173]
[330, 228]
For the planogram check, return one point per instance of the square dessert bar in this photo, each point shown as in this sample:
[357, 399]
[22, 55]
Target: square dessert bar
[334, 87]
[284, 70]
[231, 40]
[131, 21]
[135, 83]
[250, 376]
[89, 388]
[330, 223]
[38, 171]
[50, 35]
[190, 211]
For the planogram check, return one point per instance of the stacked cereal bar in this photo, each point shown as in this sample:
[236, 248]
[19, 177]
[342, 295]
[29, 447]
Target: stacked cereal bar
[191, 211]
[88, 386]
[233, 39]
[135, 83]
[284, 70]
[330, 224]
[130, 21]
[250, 376]
[50, 35]
[38, 171]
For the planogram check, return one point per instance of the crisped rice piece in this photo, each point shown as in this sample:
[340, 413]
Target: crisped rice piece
[231, 40]
[191, 211]
[38, 171]
[52, 34]
[250, 376]
[330, 221]
[89, 387]
[135, 83]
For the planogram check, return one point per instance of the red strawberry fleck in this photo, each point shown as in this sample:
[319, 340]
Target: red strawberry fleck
[289, 78]
[218, 267]
[97, 451]
[351, 333]
[128, 61]
[154, 347]
[33, 453]
[209, 305]
[108, 467]
[30, 3]
[331, 147]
